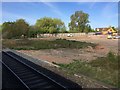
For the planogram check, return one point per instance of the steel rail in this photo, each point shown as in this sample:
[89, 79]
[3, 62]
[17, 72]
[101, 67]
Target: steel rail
[34, 70]
[15, 75]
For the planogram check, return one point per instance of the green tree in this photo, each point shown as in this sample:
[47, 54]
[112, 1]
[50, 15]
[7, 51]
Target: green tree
[0, 28]
[15, 29]
[59, 25]
[7, 29]
[52, 30]
[79, 21]
[44, 24]
[63, 29]
[87, 29]
[49, 25]
[21, 28]
[33, 31]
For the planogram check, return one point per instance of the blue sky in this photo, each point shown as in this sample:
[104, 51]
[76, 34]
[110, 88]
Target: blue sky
[101, 14]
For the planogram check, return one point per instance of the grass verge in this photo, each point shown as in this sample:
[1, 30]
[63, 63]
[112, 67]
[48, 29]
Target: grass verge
[103, 69]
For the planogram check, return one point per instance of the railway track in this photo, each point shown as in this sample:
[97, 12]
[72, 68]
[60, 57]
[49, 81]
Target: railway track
[29, 77]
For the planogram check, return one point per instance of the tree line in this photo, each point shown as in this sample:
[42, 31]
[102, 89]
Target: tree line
[20, 28]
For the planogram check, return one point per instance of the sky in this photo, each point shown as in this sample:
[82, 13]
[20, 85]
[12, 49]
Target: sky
[101, 14]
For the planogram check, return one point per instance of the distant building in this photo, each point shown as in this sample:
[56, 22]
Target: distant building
[105, 31]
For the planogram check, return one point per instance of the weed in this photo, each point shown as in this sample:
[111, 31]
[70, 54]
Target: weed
[44, 44]
[102, 69]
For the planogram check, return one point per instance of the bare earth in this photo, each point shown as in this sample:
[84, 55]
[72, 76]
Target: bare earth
[68, 55]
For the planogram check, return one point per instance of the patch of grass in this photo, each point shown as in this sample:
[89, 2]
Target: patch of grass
[25, 44]
[103, 69]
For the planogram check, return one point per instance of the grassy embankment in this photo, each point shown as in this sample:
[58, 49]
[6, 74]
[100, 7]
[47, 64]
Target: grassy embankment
[26, 44]
[102, 69]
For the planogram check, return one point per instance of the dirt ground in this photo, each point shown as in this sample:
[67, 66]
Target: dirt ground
[68, 55]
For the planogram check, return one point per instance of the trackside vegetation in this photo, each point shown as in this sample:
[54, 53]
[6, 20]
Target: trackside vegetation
[26, 44]
[103, 69]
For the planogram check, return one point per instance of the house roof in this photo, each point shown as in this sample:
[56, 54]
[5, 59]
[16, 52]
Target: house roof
[102, 29]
